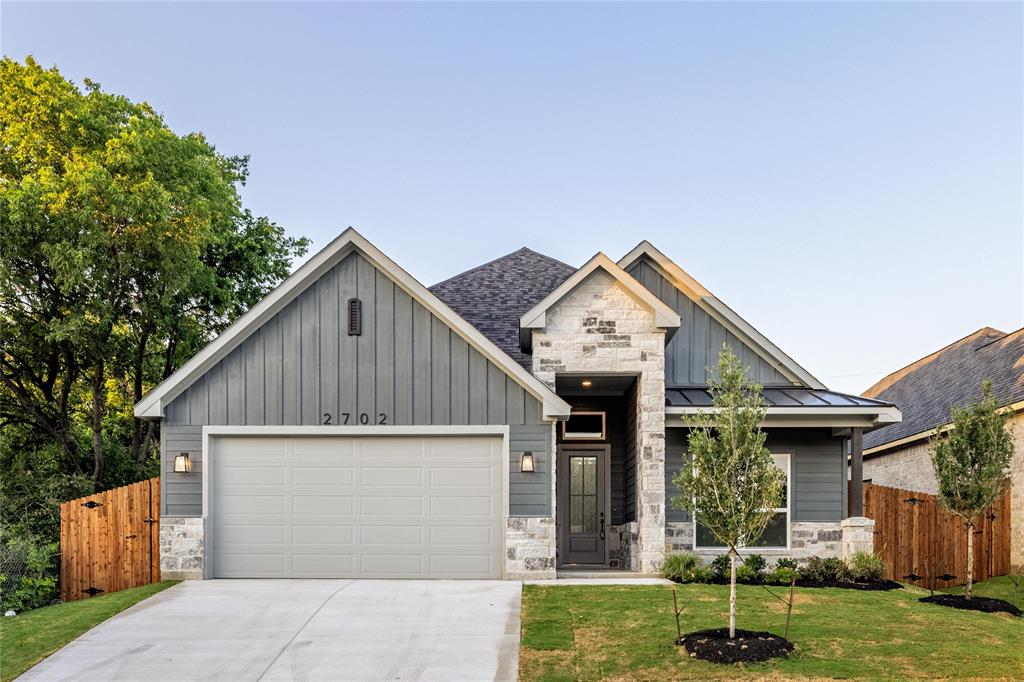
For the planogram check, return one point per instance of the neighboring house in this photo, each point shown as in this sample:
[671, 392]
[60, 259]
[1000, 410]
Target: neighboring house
[926, 392]
[520, 417]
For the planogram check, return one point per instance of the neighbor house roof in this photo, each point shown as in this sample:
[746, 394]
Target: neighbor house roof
[492, 296]
[927, 390]
[152, 404]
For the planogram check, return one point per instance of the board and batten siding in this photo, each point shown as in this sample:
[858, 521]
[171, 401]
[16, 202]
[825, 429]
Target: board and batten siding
[406, 368]
[818, 471]
[695, 345]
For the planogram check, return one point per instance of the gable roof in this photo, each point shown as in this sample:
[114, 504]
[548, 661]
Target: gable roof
[492, 296]
[152, 404]
[927, 390]
[707, 301]
[535, 317]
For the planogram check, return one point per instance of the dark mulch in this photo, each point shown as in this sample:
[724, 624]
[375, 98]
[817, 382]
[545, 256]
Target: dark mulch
[746, 647]
[883, 585]
[986, 604]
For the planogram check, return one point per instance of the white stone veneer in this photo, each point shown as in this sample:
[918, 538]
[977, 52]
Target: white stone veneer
[181, 548]
[599, 328]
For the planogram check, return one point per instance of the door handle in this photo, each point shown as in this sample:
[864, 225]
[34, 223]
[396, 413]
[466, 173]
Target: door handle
[602, 525]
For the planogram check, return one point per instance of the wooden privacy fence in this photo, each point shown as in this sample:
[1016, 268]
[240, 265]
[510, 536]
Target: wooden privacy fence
[919, 541]
[110, 541]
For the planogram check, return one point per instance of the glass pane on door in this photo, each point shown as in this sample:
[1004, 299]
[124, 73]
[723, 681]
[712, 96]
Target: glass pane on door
[583, 494]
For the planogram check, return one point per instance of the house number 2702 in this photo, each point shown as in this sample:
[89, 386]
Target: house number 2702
[346, 417]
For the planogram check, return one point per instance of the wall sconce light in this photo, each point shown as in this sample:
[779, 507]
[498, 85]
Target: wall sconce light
[182, 463]
[526, 464]
[586, 383]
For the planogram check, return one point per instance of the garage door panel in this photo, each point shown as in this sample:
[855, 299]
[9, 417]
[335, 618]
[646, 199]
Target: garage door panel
[357, 507]
[464, 506]
[320, 565]
[331, 535]
[391, 476]
[258, 504]
[308, 476]
[463, 477]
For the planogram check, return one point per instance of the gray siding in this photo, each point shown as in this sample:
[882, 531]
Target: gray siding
[695, 345]
[818, 471]
[407, 367]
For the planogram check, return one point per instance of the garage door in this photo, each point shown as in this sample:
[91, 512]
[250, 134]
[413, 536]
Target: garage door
[375, 507]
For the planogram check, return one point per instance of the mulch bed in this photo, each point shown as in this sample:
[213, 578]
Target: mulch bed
[746, 647]
[986, 604]
[883, 585]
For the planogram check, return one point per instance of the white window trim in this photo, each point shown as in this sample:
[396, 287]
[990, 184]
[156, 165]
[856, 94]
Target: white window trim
[788, 509]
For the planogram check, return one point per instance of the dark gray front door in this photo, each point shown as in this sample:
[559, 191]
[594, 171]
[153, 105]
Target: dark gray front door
[583, 504]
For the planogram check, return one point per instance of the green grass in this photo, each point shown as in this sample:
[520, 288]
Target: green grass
[30, 637]
[996, 588]
[628, 633]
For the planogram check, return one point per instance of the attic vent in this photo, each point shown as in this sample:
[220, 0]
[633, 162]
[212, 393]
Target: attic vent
[355, 317]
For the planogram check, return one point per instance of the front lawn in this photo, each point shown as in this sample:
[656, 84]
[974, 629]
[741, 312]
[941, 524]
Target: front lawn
[30, 637]
[628, 633]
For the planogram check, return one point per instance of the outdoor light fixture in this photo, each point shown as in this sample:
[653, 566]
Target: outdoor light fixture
[586, 383]
[526, 464]
[182, 463]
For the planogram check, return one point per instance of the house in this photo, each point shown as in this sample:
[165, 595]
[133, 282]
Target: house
[516, 419]
[926, 391]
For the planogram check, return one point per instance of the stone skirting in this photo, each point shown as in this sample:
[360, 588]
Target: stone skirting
[530, 548]
[181, 548]
[622, 544]
[807, 539]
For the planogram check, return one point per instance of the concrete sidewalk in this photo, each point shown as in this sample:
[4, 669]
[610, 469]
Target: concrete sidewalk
[304, 630]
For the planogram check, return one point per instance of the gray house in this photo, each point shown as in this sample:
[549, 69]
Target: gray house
[520, 418]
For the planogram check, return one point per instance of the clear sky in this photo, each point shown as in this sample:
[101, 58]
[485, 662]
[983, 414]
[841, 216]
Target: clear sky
[846, 176]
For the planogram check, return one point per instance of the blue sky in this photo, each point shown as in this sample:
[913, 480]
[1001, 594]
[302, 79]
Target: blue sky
[846, 176]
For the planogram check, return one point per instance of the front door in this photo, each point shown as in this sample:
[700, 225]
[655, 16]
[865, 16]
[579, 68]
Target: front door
[583, 504]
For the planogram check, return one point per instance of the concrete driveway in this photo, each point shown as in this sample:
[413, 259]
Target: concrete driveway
[304, 630]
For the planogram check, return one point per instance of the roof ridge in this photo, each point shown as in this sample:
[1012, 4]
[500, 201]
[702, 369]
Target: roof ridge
[499, 258]
[1005, 336]
[871, 392]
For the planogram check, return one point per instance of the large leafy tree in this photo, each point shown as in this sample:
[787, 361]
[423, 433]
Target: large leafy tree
[971, 463]
[125, 247]
[729, 481]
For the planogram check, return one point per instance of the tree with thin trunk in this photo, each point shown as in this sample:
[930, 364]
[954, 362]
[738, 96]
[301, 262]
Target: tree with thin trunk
[729, 481]
[971, 462]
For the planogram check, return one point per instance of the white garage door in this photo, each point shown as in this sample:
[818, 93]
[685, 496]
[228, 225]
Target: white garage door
[371, 507]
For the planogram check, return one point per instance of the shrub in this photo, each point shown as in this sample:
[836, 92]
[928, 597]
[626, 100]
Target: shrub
[28, 579]
[757, 564]
[820, 570]
[746, 575]
[720, 567]
[680, 567]
[865, 567]
[703, 574]
[781, 575]
[786, 562]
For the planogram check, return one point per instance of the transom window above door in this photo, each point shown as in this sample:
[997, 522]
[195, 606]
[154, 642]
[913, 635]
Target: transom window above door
[584, 426]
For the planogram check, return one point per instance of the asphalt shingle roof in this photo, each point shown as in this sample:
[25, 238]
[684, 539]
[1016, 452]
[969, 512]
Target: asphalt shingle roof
[491, 297]
[926, 391]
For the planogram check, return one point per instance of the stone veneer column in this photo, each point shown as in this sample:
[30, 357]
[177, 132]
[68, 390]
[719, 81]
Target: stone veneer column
[181, 548]
[858, 535]
[598, 327]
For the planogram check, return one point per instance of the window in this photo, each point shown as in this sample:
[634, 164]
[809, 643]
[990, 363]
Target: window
[584, 426]
[776, 534]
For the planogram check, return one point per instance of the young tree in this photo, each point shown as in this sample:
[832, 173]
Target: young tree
[971, 463]
[729, 481]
